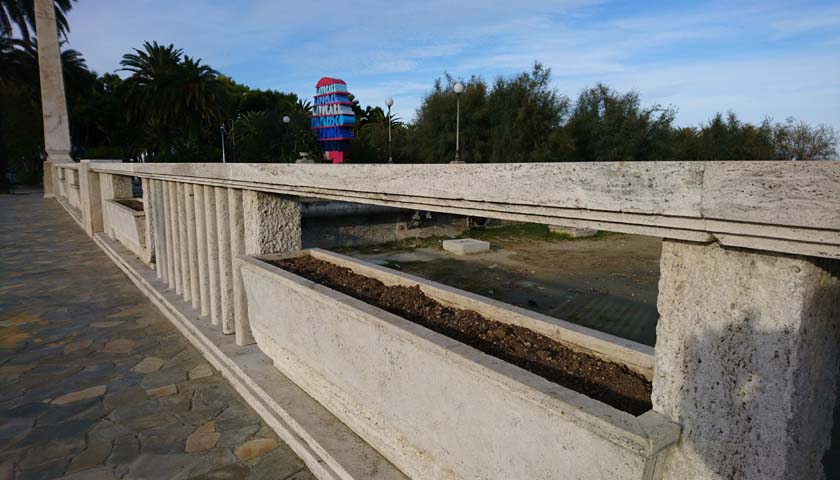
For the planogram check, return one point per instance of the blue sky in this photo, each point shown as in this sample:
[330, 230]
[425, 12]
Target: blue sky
[757, 58]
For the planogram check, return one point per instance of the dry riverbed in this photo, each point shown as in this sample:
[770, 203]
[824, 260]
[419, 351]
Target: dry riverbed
[608, 282]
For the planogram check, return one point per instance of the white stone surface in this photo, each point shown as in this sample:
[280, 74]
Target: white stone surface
[435, 407]
[746, 360]
[192, 246]
[172, 237]
[330, 450]
[53, 103]
[681, 200]
[149, 207]
[466, 246]
[223, 225]
[183, 242]
[201, 248]
[128, 227]
[212, 253]
[237, 247]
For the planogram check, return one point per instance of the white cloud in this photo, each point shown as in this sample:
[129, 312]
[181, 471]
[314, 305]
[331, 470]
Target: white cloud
[755, 57]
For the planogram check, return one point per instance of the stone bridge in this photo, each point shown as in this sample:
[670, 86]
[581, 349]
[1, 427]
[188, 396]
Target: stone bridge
[744, 371]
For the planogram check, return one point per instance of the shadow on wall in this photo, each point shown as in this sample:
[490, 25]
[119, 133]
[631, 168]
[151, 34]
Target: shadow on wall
[734, 430]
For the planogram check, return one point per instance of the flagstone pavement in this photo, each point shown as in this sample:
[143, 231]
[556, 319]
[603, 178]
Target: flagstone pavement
[95, 383]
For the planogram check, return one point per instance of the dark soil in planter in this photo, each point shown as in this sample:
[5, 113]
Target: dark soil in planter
[611, 383]
[131, 203]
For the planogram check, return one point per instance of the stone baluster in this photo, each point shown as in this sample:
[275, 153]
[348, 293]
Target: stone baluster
[226, 315]
[192, 258]
[237, 247]
[149, 219]
[161, 260]
[212, 247]
[182, 242]
[201, 250]
[172, 237]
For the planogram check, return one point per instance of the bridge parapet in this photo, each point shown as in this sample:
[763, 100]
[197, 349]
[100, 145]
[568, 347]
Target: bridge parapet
[748, 339]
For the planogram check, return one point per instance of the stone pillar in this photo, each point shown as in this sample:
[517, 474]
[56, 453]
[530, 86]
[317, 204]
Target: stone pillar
[225, 276]
[237, 247]
[160, 230]
[192, 249]
[149, 219]
[212, 253]
[91, 196]
[272, 225]
[746, 361]
[182, 242]
[201, 249]
[172, 237]
[53, 104]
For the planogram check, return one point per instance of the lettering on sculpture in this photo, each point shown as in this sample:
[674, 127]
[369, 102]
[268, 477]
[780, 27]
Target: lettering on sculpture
[332, 118]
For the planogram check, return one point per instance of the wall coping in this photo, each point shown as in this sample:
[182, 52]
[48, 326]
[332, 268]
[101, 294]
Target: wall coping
[788, 207]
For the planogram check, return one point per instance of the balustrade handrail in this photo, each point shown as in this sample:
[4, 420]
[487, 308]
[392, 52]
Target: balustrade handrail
[789, 207]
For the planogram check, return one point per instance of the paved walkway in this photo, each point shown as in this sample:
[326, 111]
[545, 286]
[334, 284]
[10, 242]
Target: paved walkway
[95, 383]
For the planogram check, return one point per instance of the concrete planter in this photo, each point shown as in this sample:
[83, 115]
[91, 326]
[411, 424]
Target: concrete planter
[128, 227]
[435, 407]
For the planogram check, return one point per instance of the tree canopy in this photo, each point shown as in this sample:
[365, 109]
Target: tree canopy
[164, 105]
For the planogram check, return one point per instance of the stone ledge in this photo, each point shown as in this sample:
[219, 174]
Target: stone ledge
[328, 447]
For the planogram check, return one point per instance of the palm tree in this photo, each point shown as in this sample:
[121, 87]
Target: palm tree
[172, 96]
[21, 13]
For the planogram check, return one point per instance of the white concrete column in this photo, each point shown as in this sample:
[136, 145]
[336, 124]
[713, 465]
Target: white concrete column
[53, 103]
[226, 317]
[212, 253]
[746, 361]
[91, 198]
[174, 248]
[149, 219]
[271, 225]
[237, 247]
[192, 246]
[110, 187]
[160, 230]
[201, 249]
[186, 290]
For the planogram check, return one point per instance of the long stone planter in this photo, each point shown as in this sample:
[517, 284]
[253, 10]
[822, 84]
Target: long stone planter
[438, 408]
[128, 227]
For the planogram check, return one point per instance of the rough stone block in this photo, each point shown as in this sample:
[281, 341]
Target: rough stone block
[465, 246]
[746, 360]
[573, 232]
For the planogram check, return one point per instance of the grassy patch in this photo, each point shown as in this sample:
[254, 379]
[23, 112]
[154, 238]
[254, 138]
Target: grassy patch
[507, 234]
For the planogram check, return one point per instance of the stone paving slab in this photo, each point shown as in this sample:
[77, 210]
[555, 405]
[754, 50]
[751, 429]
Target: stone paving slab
[95, 383]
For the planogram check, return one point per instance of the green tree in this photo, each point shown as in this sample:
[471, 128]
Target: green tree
[174, 100]
[433, 134]
[798, 140]
[609, 126]
[526, 119]
[21, 14]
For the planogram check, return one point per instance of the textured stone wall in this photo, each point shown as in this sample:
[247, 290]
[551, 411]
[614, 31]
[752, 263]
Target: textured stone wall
[746, 361]
[272, 223]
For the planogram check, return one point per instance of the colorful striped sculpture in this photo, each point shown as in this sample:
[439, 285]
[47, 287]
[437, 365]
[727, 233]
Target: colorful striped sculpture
[333, 118]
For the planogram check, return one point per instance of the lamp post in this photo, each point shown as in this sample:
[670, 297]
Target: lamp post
[458, 88]
[286, 121]
[389, 101]
[222, 132]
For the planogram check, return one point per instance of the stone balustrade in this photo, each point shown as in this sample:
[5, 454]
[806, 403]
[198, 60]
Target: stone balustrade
[747, 344]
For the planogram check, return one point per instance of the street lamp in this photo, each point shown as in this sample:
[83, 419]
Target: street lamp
[286, 121]
[222, 132]
[458, 88]
[389, 101]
